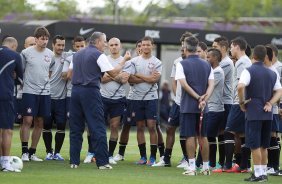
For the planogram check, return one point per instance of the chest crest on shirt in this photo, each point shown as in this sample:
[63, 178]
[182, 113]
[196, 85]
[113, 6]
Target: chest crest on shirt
[151, 66]
[47, 59]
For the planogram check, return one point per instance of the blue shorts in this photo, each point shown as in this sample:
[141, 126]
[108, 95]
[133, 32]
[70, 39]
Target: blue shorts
[127, 118]
[68, 107]
[36, 105]
[114, 108]
[192, 126]
[144, 110]
[227, 108]
[258, 134]
[58, 112]
[214, 122]
[236, 120]
[173, 119]
[7, 114]
[275, 123]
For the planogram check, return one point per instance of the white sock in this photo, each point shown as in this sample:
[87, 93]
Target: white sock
[192, 164]
[205, 165]
[264, 169]
[5, 161]
[257, 170]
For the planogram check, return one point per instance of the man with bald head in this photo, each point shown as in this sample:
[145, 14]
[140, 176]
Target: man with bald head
[113, 95]
[11, 43]
[29, 41]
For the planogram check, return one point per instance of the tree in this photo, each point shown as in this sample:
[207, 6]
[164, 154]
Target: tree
[13, 7]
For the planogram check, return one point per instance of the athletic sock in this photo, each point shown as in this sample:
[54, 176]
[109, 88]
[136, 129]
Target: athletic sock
[154, 149]
[167, 155]
[112, 147]
[90, 145]
[142, 150]
[24, 147]
[273, 154]
[47, 137]
[245, 152]
[31, 151]
[161, 149]
[229, 149]
[122, 147]
[212, 151]
[221, 149]
[59, 140]
[183, 147]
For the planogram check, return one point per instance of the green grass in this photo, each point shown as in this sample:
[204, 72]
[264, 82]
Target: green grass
[58, 172]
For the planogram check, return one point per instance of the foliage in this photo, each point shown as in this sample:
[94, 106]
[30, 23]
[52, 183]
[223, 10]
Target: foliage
[13, 6]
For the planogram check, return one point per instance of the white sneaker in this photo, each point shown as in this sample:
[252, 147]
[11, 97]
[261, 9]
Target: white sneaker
[118, 157]
[270, 170]
[35, 158]
[161, 163]
[105, 167]
[58, 157]
[25, 157]
[73, 166]
[112, 161]
[49, 156]
[205, 172]
[88, 158]
[190, 172]
[183, 164]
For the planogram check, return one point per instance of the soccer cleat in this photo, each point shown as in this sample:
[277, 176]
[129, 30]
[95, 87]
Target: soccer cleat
[105, 167]
[112, 161]
[183, 164]
[264, 178]
[277, 173]
[253, 178]
[25, 157]
[142, 161]
[270, 170]
[218, 171]
[58, 157]
[234, 169]
[205, 172]
[118, 157]
[35, 158]
[162, 163]
[248, 170]
[190, 172]
[49, 156]
[73, 166]
[88, 158]
[151, 162]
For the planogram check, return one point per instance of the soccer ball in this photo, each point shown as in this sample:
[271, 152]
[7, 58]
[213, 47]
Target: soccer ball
[16, 163]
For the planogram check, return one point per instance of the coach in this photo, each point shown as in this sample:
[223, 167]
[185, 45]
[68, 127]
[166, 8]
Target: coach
[86, 103]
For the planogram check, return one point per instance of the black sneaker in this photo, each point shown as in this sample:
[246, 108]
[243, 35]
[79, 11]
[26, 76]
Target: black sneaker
[277, 173]
[253, 178]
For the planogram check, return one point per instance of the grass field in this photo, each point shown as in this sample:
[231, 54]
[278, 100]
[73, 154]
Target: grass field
[59, 172]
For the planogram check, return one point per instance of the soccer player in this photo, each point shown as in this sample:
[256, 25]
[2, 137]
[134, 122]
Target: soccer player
[36, 91]
[173, 120]
[113, 95]
[58, 90]
[202, 50]
[236, 118]
[29, 41]
[86, 101]
[260, 85]
[10, 62]
[214, 119]
[196, 78]
[222, 44]
[146, 72]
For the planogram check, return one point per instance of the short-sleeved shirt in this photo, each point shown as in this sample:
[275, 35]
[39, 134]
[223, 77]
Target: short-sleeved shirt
[58, 86]
[144, 90]
[177, 97]
[88, 66]
[242, 63]
[245, 79]
[66, 68]
[113, 89]
[215, 102]
[36, 70]
[10, 62]
[228, 67]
